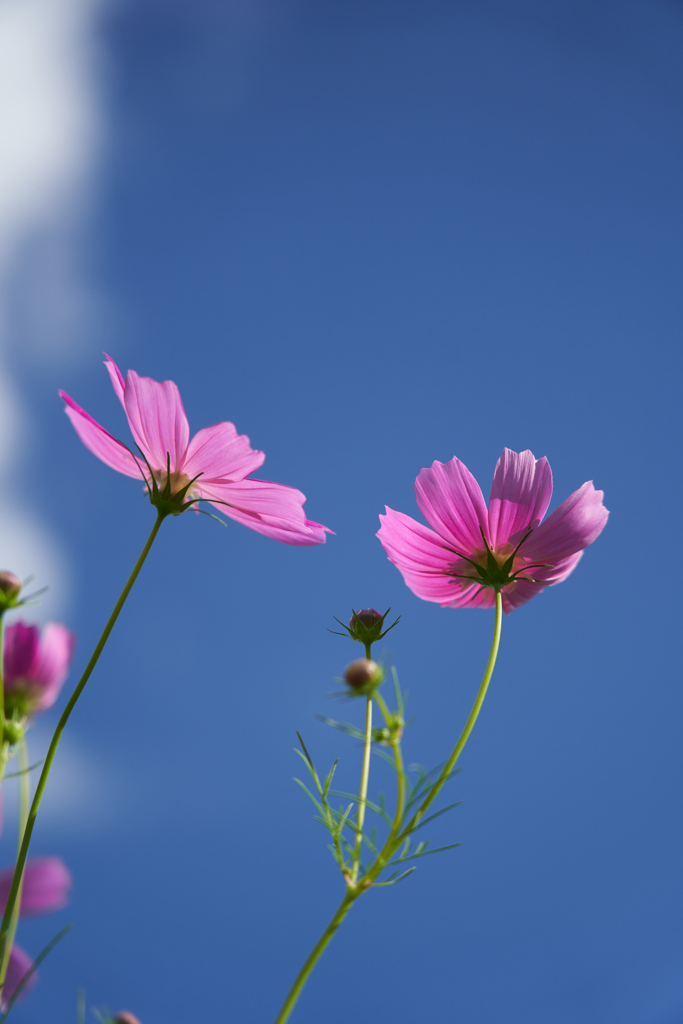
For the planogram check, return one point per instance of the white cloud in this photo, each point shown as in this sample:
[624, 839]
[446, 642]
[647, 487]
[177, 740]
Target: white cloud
[49, 140]
[83, 793]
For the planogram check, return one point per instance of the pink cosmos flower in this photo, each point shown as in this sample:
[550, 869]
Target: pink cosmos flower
[19, 965]
[471, 551]
[213, 466]
[35, 666]
[47, 883]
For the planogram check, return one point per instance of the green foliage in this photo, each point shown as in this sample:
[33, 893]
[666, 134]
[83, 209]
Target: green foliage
[414, 786]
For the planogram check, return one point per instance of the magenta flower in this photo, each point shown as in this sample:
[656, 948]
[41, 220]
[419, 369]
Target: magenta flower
[471, 551]
[35, 666]
[19, 965]
[47, 883]
[213, 466]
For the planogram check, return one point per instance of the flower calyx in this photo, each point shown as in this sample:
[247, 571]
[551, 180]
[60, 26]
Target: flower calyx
[496, 573]
[365, 626]
[13, 732]
[168, 492]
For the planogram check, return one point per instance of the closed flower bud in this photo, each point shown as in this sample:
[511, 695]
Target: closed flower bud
[10, 588]
[125, 1018]
[366, 627]
[363, 675]
[10, 584]
[367, 617]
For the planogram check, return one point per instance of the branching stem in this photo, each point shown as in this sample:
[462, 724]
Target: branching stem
[398, 832]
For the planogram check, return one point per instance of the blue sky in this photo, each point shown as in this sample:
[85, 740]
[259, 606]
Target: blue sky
[371, 235]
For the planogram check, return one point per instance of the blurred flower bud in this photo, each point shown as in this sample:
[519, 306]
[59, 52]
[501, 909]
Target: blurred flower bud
[363, 675]
[125, 1017]
[36, 665]
[10, 584]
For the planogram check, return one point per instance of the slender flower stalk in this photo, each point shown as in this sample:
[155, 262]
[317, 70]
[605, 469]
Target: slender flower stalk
[469, 724]
[24, 797]
[364, 780]
[315, 954]
[13, 895]
[398, 831]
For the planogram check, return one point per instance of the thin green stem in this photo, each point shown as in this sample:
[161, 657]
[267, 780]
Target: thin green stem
[316, 953]
[363, 795]
[24, 797]
[49, 757]
[396, 833]
[469, 724]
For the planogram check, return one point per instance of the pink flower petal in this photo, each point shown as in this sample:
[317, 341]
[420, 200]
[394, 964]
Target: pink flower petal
[474, 597]
[271, 509]
[523, 591]
[451, 501]
[47, 882]
[570, 528]
[21, 651]
[99, 441]
[520, 495]
[157, 419]
[420, 555]
[53, 663]
[19, 965]
[118, 383]
[220, 453]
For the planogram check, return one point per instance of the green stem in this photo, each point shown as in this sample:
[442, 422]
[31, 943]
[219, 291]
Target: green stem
[469, 724]
[49, 758]
[365, 776]
[24, 796]
[316, 953]
[395, 838]
[352, 893]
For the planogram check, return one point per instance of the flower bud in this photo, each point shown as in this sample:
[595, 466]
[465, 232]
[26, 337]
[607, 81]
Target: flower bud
[366, 627]
[10, 586]
[363, 675]
[367, 617]
[9, 583]
[124, 1017]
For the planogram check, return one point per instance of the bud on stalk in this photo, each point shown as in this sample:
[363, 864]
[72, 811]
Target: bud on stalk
[363, 675]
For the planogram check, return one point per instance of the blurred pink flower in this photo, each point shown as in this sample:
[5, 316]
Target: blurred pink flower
[35, 666]
[19, 965]
[217, 460]
[47, 883]
[471, 550]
